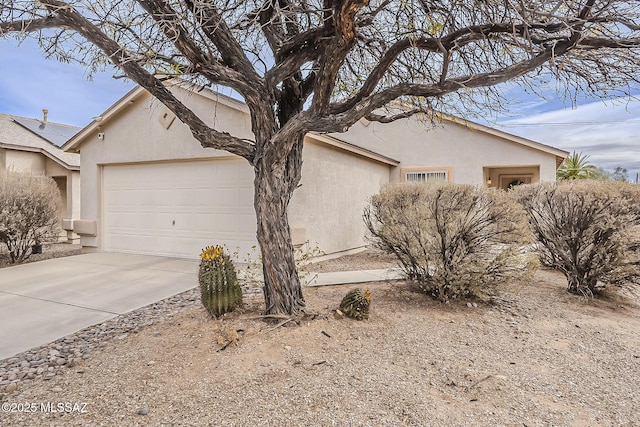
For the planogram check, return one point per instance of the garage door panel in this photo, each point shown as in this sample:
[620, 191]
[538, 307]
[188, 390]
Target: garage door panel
[176, 209]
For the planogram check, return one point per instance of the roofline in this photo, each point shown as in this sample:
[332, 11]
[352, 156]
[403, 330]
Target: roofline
[227, 100]
[343, 145]
[13, 118]
[136, 93]
[130, 96]
[505, 135]
[41, 151]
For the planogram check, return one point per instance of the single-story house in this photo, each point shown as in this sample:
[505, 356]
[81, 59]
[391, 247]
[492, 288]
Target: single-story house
[35, 146]
[148, 187]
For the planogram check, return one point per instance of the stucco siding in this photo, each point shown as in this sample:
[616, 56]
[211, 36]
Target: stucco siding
[337, 178]
[144, 132]
[335, 188]
[465, 150]
[140, 134]
[73, 188]
[54, 169]
[25, 161]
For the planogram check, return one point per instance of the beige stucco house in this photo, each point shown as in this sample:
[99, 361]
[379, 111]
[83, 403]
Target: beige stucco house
[148, 187]
[458, 151]
[34, 145]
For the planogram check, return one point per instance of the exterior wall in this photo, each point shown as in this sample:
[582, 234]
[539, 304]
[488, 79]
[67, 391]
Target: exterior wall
[35, 154]
[25, 161]
[61, 182]
[37, 163]
[335, 185]
[335, 188]
[52, 168]
[466, 151]
[327, 208]
[69, 185]
[73, 189]
[146, 131]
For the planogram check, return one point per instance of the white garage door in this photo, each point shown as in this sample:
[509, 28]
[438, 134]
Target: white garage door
[176, 209]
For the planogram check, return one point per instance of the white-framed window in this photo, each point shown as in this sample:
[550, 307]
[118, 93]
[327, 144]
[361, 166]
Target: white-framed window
[427, 176]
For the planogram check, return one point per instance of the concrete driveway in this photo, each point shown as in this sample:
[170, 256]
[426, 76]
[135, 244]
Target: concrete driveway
[43, 301]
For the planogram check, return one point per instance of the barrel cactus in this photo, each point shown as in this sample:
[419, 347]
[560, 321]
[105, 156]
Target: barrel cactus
[356, 304]
[219, 288]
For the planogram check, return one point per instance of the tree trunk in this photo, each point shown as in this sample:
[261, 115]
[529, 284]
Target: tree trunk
[275, 181]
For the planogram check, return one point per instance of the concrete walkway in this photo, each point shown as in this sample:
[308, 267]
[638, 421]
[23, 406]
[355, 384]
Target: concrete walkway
[362, 276]
[46, 300]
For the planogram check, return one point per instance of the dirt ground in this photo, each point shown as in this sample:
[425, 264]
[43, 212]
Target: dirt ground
[536, 357]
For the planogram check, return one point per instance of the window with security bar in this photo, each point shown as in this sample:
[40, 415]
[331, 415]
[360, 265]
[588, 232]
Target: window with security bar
[431, 176]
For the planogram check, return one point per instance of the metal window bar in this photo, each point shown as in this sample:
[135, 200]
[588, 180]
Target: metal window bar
[426, 176]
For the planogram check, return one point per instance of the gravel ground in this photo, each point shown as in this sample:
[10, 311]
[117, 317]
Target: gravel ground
[536, 357]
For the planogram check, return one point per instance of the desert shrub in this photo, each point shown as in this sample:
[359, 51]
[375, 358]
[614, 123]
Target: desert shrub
[585, 229]
[29, 212]
[455, 240]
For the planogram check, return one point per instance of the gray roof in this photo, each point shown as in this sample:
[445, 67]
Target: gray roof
[55, 133]
[14, 135]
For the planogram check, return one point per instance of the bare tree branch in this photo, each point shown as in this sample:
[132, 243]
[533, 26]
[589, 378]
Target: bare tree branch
[388, 118]
[171, 25]
[31, 25]
[342, 22]
[203, 133]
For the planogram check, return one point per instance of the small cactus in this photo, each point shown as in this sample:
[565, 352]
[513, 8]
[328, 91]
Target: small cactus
[219, 288]
[356, 304]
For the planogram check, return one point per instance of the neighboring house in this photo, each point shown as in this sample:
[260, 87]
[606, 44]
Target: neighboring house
[148, 187]
[34, 145]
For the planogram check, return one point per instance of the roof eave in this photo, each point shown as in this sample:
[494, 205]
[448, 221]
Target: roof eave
[338, 143]
[43, 152]
[73, 145]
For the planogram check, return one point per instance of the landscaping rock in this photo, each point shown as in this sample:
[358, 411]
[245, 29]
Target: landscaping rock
[70, 351]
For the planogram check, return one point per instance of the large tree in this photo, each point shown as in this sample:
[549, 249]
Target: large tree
[321, 65]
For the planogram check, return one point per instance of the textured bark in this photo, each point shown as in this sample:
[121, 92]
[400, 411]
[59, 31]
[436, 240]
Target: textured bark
[275, 182]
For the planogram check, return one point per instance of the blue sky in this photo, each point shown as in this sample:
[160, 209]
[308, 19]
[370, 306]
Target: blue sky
[606, 131]
[29, 83]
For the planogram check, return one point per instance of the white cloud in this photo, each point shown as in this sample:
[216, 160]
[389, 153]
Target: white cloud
[606, 131]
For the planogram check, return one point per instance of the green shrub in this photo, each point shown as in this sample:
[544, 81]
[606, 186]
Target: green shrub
[29, 212]
[219, 288]
[455, 240]
[585, 229]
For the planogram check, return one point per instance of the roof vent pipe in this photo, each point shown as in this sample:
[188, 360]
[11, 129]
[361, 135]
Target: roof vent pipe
[45, 112]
